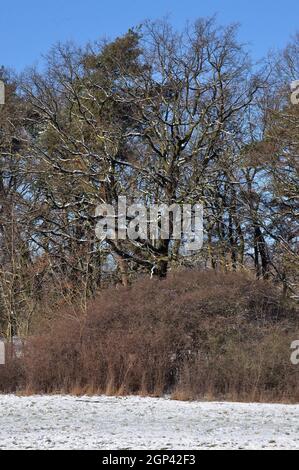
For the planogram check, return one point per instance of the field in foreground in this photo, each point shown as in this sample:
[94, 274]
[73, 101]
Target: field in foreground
[66, 422]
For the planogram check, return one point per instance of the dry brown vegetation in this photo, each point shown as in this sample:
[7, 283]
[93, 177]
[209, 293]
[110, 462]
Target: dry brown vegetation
[192, 335]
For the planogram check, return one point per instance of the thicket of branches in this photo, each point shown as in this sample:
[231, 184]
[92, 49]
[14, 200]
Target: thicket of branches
[192, 335]
[159, 116]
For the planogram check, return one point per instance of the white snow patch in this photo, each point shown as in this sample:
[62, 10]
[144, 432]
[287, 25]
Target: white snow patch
[101, 422]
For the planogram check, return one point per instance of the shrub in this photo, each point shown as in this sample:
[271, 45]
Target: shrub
[192, 335]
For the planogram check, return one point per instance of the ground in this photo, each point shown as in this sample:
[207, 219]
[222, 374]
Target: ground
[66, 422]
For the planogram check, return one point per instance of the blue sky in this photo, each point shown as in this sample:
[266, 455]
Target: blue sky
[28, 28]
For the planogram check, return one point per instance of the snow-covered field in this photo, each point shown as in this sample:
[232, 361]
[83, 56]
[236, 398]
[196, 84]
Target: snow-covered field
[65, 422]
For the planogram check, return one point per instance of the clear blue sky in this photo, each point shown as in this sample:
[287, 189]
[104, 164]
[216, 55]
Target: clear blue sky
[29, 27]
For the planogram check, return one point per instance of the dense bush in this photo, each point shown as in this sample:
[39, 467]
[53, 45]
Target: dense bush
[192, 335]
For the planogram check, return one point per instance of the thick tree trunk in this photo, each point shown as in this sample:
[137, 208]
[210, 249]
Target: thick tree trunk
[123, 268]
[161, 269]
[260, 250]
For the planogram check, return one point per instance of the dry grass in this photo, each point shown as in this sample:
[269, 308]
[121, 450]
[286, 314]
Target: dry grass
[194, 335]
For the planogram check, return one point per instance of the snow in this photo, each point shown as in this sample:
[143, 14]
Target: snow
[101, 422]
